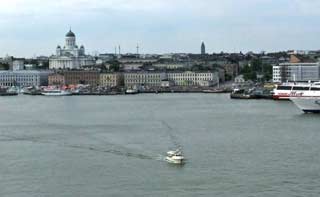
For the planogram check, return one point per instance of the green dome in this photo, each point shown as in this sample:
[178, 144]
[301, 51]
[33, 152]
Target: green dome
[70, 34]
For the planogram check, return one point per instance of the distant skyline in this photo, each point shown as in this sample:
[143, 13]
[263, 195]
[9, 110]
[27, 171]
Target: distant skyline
[36, 27]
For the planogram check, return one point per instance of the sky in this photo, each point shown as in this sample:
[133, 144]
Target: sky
[35, 27]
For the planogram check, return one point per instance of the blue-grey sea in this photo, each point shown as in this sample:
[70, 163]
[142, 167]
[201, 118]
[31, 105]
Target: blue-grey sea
[115, 146]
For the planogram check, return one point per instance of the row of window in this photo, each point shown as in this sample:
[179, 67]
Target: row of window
[188, 78]
[190, 75]
[298, 88]
[139, 81]
[15, 79]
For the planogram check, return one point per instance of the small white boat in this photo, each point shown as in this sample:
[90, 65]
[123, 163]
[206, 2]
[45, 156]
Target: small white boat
[56, 92]
[175, 157]
[131, 91]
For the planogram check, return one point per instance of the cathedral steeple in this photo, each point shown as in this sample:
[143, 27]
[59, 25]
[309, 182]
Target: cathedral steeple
[70, 40]
[203, 48]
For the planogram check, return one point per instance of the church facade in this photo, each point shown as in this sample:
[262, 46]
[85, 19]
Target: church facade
[70, 56]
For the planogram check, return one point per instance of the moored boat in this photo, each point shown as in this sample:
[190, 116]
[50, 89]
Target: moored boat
[216, 91]
[131, 91]
[241, 94]
[56, 92]
[7, 92]
[307, 104]
[175, 157]
[31, 91]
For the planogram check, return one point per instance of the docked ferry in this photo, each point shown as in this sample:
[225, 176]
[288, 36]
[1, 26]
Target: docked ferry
[307, 104]
[56, 92]
[286, 91]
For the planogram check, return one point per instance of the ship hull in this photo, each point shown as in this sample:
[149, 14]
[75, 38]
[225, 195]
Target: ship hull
[307, 105]
[56, 93]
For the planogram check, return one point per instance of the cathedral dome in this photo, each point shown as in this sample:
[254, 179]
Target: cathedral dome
[70, 34]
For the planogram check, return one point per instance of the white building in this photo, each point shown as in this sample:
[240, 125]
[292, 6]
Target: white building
[193, 78]
[70, 56]
[169, 65]
[146, 79]
[296, 72]
[277, 74]
[111, 79]
[24, 78]
[18, 64]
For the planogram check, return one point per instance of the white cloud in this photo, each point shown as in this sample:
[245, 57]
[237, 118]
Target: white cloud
[118, 20]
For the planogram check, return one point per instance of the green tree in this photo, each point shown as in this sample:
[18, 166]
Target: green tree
[256, 65]
[114, 66]
[267, 68]
[248, 73]
[4, 66]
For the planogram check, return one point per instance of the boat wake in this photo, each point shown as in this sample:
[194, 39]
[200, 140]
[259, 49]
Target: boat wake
[173, 156]
[161, 158]
[173, 138]
[114, 150]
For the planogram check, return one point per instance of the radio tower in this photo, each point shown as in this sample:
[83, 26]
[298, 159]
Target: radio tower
[137, 50]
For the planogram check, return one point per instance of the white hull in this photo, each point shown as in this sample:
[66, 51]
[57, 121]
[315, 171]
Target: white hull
[56, 93]
[174, 161]
[288, 90]
[308, 105]
[130, 91]
[175, 157]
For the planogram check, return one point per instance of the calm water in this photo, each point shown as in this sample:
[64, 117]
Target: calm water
[114, 146]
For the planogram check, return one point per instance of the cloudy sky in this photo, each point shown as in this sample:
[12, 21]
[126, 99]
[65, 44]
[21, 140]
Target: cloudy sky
[36, 27]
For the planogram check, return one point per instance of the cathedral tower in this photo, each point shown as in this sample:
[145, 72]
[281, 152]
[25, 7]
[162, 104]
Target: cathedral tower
[203, 49]
[70, 40]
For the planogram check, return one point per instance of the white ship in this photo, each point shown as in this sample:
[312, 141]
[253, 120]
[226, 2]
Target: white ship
[131, 91]
[175, 157]
[307, 104]
[286, 91]
[56, 92]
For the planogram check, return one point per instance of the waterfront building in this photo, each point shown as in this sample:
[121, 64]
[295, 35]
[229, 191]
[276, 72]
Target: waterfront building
[132, 63]
[13, 62]
[18, 64]
[70, 56]
[296, 72]
[193, 78]
[131, 66]
[269, 60]
[24, 78]
[170, 66]
[111, 79]
[203, 48]
[56, 79]
[166, 83]
[146, 79]
[74, 77]
[298, 58]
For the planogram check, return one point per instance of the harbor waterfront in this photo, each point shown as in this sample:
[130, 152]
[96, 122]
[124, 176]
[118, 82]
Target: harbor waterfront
[116, 146]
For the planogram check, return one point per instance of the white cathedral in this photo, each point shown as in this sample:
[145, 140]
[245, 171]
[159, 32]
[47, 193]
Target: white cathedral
[70, 56]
